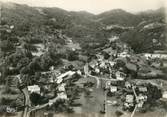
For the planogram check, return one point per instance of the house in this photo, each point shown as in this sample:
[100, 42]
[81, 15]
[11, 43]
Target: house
[140, 104]
[112, 63]
[120, 75]
[62, 95]
[164, 95]
[123, 54]
[73, 46]
[113, 38]
[47, 77]
[155, 55]
[97, 70]
[61, 87]
[143, 89]
[51, 102]
[79, 72]
[34, 89]
[128, 85]
[129, 98]
[51, 68]
[129, 102]
[113, 89]
[12, 26]
[60, 78]
[56, 73]
[93, 63]
[103, 64]
[11, 68]
[108, 84]
[140, 100]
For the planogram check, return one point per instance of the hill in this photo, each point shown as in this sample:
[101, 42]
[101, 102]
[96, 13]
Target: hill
[118, 16]
[82, 27]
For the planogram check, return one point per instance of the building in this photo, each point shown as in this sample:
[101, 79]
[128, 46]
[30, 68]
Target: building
[113, 89]
[120, 75]
[62, 95]
[129, 102]
[140, 100]
[143, 89]
[61, 87]
[164, 95]
[60, 78]
[129, 98]
[123, 54]
[112, 63]
[34, 89]
[93, 63]
[128, 85]
[155, 55]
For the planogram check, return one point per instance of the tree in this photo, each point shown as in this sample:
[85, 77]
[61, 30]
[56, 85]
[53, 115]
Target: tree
[72, 56]
[6, 47]
[35, 98]
[35, 65]
[22, 63]
[135, 39]
[46, 61]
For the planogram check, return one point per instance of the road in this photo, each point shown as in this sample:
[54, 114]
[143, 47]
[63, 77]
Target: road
[27, 102]
[97, 80]
[87, 73]
[86, 70]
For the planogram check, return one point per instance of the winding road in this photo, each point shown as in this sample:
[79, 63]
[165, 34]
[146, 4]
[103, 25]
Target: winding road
[27, 102]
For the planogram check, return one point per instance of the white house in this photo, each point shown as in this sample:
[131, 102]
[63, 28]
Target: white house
[143, 89]
[34, 89]
[60, 78]
[62, 95]
[123, 54]
[112, 63]
[129, 98]
[61, 87]
[153, 56]
[113, 38]
[164, 95]
[113, 89]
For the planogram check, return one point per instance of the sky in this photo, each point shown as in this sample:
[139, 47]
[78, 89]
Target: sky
[96, 6]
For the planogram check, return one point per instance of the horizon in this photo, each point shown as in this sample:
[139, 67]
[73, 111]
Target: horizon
[94, 8]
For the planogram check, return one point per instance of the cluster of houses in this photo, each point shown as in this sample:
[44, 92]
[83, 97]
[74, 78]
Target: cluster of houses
[155, 55]
[46, 82]
[118, 83]
[106, 68]
[137, 98]
[131, 94]
[6, 28]
[156, 59]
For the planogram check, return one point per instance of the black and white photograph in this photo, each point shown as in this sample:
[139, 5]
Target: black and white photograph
[83, 58]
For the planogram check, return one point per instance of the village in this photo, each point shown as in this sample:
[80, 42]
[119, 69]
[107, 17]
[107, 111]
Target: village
[58, 63]
[118, 74]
